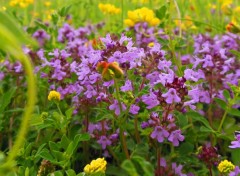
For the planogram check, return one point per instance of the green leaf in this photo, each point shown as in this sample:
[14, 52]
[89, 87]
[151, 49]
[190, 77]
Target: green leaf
[197, 117]
[140, 150]
[182, 120]
[146, 166]
[115, 171]
[40, 149]
[234, 112]
[6, 99]
[221, 103]
[27, 172]
[161, 12]
[226, 94]
[36, 120]
[186, 148]
[45, 154]
[70, 172]
[236, 53]
[81, 174]
[69, 113]
[64, 142]
[53, 146]
[59, 156]
[235, 155]
[57, 173]
[82, 137]
[129, 167]
[13, 29]
[41, 25]
[73, 145]
[206, 130]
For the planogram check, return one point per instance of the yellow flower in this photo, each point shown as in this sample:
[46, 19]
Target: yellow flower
[151, 44]
[96, 166]
[3, 8]
[129, 22]
[20, 3]
[54, 95]
[109, 9]
[141, 15]
[47, 3]
[226, 7]
[226, 166]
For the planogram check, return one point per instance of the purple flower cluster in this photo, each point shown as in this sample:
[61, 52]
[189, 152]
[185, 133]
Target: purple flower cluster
[213, 63]
[236, 143]
[171, 168]
[161, 131]
[99, 132]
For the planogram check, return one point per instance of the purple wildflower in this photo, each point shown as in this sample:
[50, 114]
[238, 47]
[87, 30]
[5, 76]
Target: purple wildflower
[104, 142]
[159, 133]
[175, 137]
[150, 100]
[127, 86]
[144, 125]
[115, 106]
[171, 96]
[134, 109]
[235, 144]
[41, 36]
[189, 74]
[236, 172]
[177, 169]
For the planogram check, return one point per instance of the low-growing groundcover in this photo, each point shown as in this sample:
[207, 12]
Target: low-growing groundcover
[96, 88]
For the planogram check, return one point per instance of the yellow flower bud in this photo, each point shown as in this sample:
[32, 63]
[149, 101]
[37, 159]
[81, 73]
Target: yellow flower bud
[226, 166]
[54, 96]
[96, 166]
[151, 44]
[154, 22]
[129, 22]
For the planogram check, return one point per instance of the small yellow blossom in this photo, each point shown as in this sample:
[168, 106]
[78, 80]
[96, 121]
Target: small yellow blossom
[151, 44]
[21, 3]
[47, 3]
[140, 1]
[3, 8]
[54, 95]
[96, 166]
[226, 7]
[49, 14]
[226, 166]
[109, 9]
[212, 6]
[185, 24]
[141, 15]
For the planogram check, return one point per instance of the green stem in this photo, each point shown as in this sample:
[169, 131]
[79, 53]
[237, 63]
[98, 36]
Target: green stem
[118, 94]
[122, 6]
[179, 16]
[59, 109]
[222, 121]
[136, 129]
[31, 92]
[122, 137]
[123, 142]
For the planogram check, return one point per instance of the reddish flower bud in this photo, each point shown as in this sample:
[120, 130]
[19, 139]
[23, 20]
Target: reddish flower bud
[109, 70]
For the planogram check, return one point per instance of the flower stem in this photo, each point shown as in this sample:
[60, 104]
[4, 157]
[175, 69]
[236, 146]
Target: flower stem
[121, 122]
[136, 129]
[31, 92]
[179, 16]
[222, 121]
[118, 94]
[123, 142]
